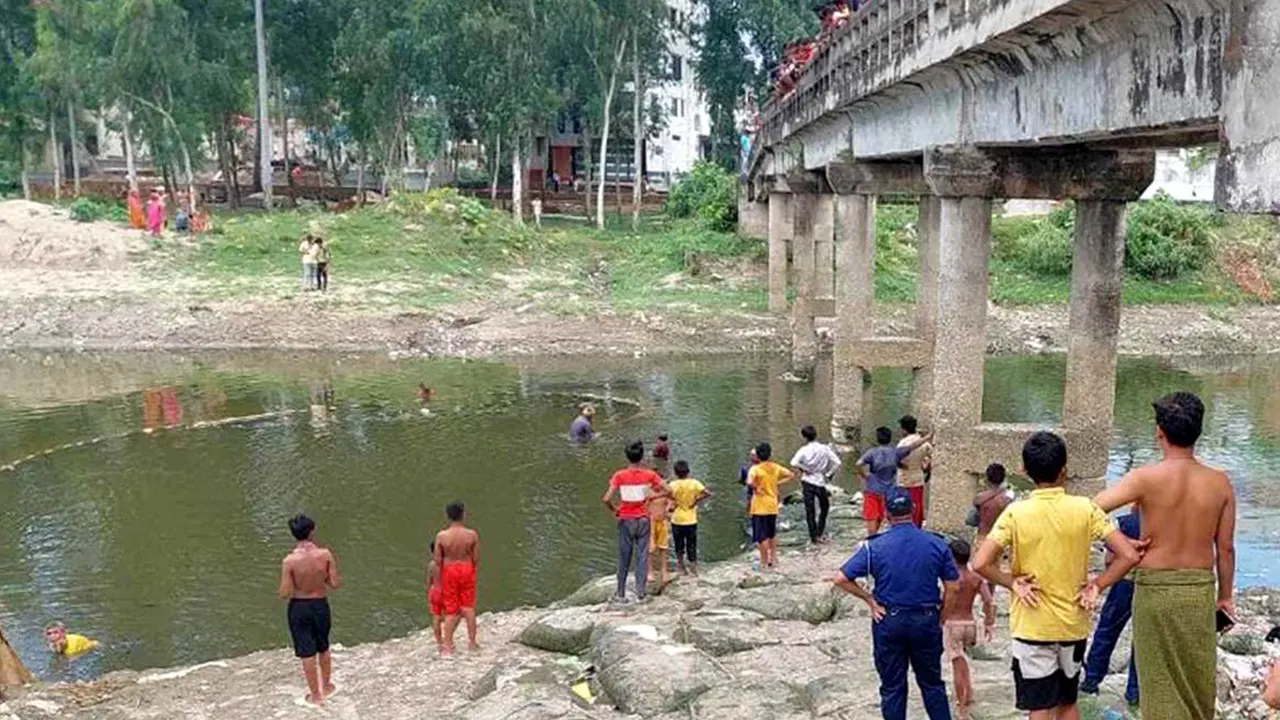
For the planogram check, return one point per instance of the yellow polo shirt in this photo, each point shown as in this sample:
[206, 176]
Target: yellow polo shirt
[78, 645]
[685, 494]
[764, 479]
[1048, 536]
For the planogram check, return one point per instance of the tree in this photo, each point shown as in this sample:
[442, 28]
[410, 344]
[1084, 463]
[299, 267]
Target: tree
[722, 73]
[20, 102]
[264, 116]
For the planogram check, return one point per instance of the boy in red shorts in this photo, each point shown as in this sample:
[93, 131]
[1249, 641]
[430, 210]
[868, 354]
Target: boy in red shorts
[457, 550]
[435, 600]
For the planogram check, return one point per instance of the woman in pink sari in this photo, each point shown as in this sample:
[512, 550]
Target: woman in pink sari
[155, 213]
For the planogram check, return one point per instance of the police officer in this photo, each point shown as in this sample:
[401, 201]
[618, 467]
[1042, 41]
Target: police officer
[906, 564]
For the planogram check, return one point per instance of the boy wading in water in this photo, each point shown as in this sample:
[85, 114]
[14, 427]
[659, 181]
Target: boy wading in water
[306, 576]
[457, 551]
[959, 630]
[1048, 536]
[686, 492]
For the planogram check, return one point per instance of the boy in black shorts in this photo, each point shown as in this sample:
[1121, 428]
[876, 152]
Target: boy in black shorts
[306, 576]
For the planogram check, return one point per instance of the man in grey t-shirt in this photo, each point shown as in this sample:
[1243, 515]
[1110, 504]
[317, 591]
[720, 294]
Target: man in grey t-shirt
[879, 468]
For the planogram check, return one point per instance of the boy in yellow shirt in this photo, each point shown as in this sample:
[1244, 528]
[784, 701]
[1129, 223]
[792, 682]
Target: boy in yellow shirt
[67, 644]
[686, 493]
[1048, 536]
[764, 479]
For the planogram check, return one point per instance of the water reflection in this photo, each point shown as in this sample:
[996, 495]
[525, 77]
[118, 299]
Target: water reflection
[165, 544]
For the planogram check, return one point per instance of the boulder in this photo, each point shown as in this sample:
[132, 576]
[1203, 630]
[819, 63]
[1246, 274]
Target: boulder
[567, 630]
[724, 631]
[748, 700]
[811, 602]
[645, 673]
[1242, 644]
[595, 592]
[844, 512]
[843, 695]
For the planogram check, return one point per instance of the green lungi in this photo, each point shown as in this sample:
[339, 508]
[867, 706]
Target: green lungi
[1175, 643]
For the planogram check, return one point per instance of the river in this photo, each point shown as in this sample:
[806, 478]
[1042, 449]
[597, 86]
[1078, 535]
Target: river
[165, 544]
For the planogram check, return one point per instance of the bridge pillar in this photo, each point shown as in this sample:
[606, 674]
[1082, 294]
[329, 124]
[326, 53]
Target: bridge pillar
[824, 276]
[1097, 260]
[927, 303]
[964, 181]
[855, 250]
[780, 231]
[806, 209]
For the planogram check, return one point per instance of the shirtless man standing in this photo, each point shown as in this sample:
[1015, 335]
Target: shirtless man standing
[457, 552]
[306, 576]
[1189, 518]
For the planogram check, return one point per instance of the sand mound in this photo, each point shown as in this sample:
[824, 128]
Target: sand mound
[36, 235]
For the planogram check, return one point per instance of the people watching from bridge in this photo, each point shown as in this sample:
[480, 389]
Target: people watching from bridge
[1189, 517]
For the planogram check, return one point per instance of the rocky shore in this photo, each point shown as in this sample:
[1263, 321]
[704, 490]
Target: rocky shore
[731, 644]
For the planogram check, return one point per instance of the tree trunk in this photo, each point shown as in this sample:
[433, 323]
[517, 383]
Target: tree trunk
[586, 171]
[517, 182]
[604, 132]
[284, 128]
[75, 157]
[56, 151]
[224, 165]
[360, 178]
[130, 166]
[637, 132]
[264, 118]
[234, 188]
[497, 166]
[26, 177]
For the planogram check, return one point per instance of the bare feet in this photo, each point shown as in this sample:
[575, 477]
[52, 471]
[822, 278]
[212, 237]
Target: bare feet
[473, 647]
[330, 689]
[313, 700]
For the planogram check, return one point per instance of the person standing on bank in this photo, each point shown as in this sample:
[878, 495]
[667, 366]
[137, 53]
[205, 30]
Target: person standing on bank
[816, 464]
[907, 565]
[632, 485]
[915, 468]
[307, 575]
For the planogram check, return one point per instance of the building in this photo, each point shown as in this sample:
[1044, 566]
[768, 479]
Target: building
[681, 139]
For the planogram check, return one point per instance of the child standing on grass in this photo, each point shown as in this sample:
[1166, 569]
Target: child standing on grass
[763, 479]
[686, 493]
[307, 250]
[322, 264]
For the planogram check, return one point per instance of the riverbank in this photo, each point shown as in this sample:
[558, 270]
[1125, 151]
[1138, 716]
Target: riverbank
[728, 645]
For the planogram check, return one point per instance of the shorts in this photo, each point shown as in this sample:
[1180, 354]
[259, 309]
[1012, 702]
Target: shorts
[686, 540]
[872, 506]
[457, 587]
[763, 527]
[1046, 674]
[309, 626]
[957, 637]
[659, 535]
[435, 600]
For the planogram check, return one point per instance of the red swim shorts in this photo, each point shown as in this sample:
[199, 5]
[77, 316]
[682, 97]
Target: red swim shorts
[457, 586]
[435, 600]
[872, 506]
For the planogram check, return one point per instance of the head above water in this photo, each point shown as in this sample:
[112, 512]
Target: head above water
[764, 451]
[808, 433]
[1044, 457]
[663, 437]
[960, 552]
[454, 511]
[302, 527]
[635, 452]
[681, 469]
[587, 410]
[995, 474]
[1179, 419]
[909, 424]
[884, 436]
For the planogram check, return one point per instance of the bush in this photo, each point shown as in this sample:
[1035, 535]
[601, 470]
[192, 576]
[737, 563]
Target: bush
[86, 210]
[708, 193]
[1165, 239]
[1046, 250]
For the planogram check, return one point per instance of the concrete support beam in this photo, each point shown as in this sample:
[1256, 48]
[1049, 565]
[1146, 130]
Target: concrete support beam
[804, 341]
[753, 217]
[855, 241]
[780, 233]
[824, 254]
[877, 178]
[1088, 406]
[1075, 173]
[1249, 133]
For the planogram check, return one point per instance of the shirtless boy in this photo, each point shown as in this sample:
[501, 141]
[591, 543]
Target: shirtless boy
[1189, 518]
[306, 576]
[959, 630]
[457, 551]
[659, 508]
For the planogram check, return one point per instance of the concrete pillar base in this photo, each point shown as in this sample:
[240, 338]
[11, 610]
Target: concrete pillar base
[780, 233]
[807, 224]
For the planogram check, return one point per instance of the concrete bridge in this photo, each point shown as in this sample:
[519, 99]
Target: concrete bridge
[963, 101]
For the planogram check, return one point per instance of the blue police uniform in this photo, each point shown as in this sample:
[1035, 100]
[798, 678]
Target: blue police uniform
[1111, 621]
[906, 564]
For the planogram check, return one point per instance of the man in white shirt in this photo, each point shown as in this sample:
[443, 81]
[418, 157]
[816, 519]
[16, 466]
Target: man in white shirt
[816, 464]
[914, 470]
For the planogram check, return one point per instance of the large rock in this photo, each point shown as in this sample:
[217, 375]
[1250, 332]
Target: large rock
[812, 602]
[595, 592]
[645, 673]
[563, 631]
[723, 631]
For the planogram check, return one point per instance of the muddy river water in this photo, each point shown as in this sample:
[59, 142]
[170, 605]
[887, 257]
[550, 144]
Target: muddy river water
[165, 544]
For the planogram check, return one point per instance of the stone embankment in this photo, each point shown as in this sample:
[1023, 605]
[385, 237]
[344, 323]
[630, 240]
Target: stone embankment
[733, 644]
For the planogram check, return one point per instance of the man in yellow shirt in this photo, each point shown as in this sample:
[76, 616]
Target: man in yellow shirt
[67, 644]
[686, 492]
[1048, 536]
[764, 479]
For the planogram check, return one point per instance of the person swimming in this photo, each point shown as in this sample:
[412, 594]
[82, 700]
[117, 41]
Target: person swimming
[67, 644]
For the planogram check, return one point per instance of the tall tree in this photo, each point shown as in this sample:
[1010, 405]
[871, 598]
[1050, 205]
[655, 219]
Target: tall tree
[723, 73]
[264, 115]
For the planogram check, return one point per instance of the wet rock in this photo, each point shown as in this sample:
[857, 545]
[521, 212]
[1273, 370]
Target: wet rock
[646, 673]
[812, 602]
[595, 592]
[563, 631]
[1242, 644]
[724, 631]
